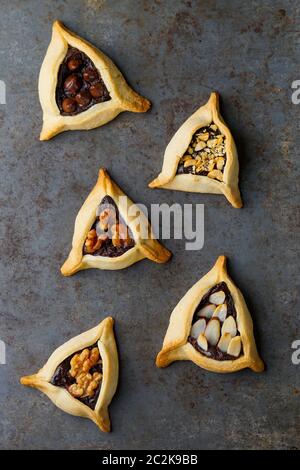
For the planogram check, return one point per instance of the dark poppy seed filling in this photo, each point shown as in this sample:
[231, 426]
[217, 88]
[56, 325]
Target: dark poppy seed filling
[79, 84]
[109, 235]
[206, 154]
[214, 331]
[81, 375]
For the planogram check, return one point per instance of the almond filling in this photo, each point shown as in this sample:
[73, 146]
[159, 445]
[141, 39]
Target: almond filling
[214, 332]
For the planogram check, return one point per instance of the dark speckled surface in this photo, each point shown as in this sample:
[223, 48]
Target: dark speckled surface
[173, 52]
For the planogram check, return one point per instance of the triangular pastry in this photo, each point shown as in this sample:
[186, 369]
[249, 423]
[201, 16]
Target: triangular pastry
[81, 376]
[201, 157]
[80, 87]
[111, 232]
[212, 326]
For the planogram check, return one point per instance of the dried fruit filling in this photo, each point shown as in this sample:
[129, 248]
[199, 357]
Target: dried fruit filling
[79, 84]
[206, 154]
[81, 375]
[109, 236]
[214, 331]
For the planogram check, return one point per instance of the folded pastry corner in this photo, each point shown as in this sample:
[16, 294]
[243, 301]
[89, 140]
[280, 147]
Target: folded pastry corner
[202, 157]
[111, 232]
[81, 376]
[212, 326]
[80, 87]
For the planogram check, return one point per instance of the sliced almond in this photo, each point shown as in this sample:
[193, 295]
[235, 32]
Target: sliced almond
[202, 342]
[212, 331]
[217, 297]
[201, 145]
[207, 311]
[216, 174]
[224, 342]
[221, 312]
[229, 326]
[204, 136]
[198, 327]
[235, 346]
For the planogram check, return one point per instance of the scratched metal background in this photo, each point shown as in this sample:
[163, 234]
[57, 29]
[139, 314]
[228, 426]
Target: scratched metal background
[174, 52]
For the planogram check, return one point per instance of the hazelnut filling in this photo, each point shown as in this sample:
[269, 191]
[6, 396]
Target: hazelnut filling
[206, 154]
[81, 375]
[214, 331]
[79, 84]
[109, 235]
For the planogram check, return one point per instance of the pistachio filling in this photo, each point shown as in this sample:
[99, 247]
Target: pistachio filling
[214, 332]
[81, 375]
[109, 235]
[206, 154]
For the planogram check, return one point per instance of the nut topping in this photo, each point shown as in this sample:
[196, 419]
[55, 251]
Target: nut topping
[198, 328]
[206, 154]
[229, 326]
[224, 342]
[221, 312]
[216, 174]
[86, 383]
[217, 310]
[79, 84]
[189, 162]
[217, 297]
[202, 342]
[220, 163]
[200, 146]
[204, 136]
[206, 311]
[106, 217]
[235, 346]
[120, 235]
[92, 242]
[212, 331]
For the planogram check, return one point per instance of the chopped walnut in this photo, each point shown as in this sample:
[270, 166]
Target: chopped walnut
[206, 154]
[120, 235]
[81, 364]
[93, 242]
[107, 217]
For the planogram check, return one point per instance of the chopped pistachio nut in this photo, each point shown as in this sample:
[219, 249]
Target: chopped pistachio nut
[206, 154]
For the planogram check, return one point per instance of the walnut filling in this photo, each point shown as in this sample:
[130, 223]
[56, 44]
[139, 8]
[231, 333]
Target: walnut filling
[206, 154]
[109, 235]
[214, 331]
[81, 365]
[79, 84]
[81, 375]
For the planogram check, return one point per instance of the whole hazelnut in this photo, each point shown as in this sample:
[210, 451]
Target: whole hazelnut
[72, 84]
[69, 105]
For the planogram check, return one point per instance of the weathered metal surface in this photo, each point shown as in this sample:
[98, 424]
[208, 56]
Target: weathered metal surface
[174, 52]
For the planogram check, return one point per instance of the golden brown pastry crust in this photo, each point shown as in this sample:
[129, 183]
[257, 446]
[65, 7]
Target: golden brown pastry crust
[168, 179]
[144, 247]
[104, 336]
[123, 98]
[176, 346]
